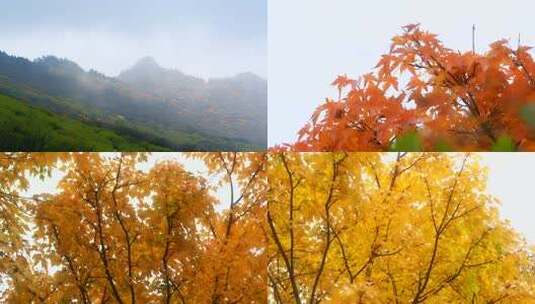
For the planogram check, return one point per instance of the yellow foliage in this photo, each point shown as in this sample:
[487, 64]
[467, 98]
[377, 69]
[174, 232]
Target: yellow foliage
[385, 228]
[115, 234]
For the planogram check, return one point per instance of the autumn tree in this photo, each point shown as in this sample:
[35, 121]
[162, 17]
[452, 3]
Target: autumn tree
[385, 228]
[237, 250]
[15, 172]
[425, 96]
[116, 234]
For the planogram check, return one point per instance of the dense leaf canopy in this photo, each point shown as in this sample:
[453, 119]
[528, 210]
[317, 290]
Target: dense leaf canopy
[113, 233]
[372, 228]
[425, 96]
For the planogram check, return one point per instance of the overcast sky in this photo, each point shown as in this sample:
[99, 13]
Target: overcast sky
[207, 38]
[312, 41]
[510, 180]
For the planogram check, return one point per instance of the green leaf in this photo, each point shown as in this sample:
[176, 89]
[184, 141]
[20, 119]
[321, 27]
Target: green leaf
[443, 146]
[528, 114]
[409, 142]
[504, 144]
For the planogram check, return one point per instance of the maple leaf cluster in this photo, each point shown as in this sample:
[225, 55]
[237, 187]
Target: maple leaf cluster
[451, 101]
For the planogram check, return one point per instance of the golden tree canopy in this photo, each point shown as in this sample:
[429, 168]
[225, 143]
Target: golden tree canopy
[373, 228]
[116, 234]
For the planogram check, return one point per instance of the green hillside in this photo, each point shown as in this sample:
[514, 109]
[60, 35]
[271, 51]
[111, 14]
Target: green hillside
[25, 128]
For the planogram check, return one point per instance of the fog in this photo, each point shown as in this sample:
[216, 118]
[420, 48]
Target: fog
[209, 38]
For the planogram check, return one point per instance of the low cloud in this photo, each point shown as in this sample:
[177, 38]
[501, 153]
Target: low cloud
[194, 51]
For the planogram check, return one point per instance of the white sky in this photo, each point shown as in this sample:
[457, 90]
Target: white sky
[310, 42]
[510, 180]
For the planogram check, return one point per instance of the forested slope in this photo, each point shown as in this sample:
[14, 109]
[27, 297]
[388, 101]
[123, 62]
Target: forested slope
[25, 128]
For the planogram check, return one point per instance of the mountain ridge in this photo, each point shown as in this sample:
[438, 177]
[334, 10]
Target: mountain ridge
[164, 100]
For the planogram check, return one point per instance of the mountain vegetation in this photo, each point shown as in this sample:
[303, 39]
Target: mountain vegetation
[26, 128]
[146, 102]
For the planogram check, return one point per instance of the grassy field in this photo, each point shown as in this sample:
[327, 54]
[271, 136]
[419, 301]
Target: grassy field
[25, 128]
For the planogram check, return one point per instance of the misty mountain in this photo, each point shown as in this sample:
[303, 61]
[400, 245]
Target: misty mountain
[146, 74]
[236, 105]
[183, 111]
